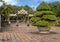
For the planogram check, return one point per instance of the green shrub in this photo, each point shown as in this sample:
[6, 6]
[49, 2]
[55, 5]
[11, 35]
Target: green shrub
[59, 21]
[43, 13]
[42, 24]
[50, 17]
[37, 14]
[47, 12]
[43, 6]
[34, 19]
[58, 25]
[53, 22]
[44, 16]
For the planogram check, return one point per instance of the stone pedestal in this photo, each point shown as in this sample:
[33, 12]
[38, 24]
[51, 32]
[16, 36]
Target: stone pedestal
[44, 29]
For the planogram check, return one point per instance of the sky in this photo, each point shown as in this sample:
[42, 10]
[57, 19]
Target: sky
[31, 3]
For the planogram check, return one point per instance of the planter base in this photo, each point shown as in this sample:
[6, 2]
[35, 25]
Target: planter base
[44, 32]
[44, 29]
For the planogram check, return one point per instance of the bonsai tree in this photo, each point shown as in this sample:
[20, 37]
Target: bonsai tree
[43, 17]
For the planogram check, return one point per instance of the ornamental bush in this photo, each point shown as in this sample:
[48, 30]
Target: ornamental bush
[43, 17]
[43, 6]
[42, 23]
[34, 19]
[50, 17]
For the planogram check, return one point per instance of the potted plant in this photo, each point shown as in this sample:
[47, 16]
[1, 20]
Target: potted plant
[43, 18]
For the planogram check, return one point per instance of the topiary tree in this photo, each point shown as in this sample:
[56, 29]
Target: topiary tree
[43, 17]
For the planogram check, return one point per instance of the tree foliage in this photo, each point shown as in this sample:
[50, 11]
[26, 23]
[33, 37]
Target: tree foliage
[45, 14]
[43, 6]
[5, 10]
[27, 8]
[55, 7]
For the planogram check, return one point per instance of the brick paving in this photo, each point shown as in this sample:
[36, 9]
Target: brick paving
[22, 33]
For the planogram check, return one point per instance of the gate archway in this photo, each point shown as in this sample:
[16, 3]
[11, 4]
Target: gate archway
[22, 15]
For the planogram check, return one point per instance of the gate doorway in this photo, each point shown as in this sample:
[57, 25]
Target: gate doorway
[22, 18]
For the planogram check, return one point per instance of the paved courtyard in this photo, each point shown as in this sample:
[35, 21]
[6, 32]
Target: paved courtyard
[22, 33]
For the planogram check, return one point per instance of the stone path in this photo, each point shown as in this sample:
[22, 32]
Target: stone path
[22, 33]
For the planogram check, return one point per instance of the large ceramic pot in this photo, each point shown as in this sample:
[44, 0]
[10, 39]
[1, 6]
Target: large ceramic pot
[44, 29]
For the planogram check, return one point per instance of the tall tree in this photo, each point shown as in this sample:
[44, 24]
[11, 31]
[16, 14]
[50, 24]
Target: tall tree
[29, 9]
[43, 6]
[55, 7]
[3, 8]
